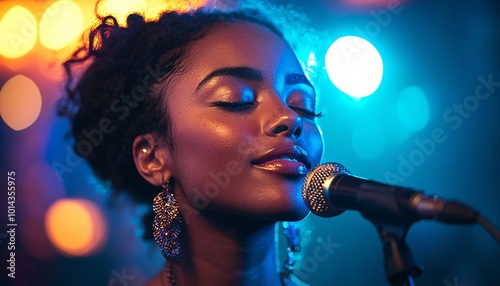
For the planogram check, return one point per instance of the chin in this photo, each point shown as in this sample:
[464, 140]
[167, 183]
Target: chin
[272, 208]
[295, 212]
[291, 208]
[298, 213]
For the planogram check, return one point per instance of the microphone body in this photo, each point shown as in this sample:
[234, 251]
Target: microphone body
[330, 189]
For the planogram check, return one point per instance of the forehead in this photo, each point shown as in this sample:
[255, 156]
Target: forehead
[241, 44]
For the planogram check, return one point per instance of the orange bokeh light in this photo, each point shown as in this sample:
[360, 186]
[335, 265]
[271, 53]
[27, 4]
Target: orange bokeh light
[20, 102]
[76, 227]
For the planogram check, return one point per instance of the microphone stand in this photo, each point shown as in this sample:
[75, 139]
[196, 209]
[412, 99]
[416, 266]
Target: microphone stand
[399, 261]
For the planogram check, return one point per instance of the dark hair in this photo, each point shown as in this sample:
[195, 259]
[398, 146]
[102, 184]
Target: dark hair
[119, 95]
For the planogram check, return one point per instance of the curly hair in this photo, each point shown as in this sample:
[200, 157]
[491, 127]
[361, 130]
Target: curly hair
[120, 93]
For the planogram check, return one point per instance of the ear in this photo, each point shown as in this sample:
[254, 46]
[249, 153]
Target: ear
[151, 158]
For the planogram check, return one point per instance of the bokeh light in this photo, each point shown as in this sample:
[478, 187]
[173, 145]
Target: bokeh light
[76, 227]
[120, 9]
[369, 138]
[61, 24]
[18, 32]
[454, 48]
[20, 102]
[158, 6]
[354, 66]
[413, 108]
[150, 9]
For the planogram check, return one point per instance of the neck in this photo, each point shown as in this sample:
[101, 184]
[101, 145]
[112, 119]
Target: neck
[227, 251]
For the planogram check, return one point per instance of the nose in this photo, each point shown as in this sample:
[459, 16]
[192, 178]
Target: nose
[284, 122]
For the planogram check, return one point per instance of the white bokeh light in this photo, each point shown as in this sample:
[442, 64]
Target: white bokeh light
[354, 66]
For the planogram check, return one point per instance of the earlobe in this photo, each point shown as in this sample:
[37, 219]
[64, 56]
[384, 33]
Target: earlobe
[150, 158]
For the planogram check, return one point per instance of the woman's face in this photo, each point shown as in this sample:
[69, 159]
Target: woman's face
[243, 125]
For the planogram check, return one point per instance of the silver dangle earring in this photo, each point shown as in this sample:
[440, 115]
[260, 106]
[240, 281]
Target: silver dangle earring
[167, 224]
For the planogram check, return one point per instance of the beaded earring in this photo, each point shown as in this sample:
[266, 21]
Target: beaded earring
[167, 224]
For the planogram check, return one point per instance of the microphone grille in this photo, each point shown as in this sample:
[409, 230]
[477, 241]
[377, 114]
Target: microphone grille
[313, 190]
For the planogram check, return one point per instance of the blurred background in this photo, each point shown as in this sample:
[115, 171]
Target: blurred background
[410, 92]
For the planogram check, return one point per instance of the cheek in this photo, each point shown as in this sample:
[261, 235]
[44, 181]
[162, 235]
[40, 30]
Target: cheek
[207, 155]
[314, 143]
[204, 146]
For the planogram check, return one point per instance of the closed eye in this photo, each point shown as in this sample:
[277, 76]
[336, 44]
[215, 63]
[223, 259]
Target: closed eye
[234, 105]
[307, 113]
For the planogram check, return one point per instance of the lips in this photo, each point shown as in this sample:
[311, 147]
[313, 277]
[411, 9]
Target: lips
[285, 159]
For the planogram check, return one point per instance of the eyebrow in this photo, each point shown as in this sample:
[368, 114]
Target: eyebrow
[248, 73]
[295, 78]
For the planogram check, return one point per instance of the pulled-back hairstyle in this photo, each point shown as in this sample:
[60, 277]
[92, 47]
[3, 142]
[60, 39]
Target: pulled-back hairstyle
[120, 93]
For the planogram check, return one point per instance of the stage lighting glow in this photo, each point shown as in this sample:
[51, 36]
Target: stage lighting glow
[354, 66]
[413, 108]
[61, 24]
[20, 102]
[396, 132]
[76, 227]
[158, 6]
[368, 138]
[18, 32]
[120, 9]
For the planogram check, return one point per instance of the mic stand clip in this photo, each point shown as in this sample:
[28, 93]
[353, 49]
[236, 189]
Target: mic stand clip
[399, 261]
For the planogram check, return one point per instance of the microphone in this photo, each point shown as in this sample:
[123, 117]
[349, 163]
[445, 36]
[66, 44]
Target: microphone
[330, 189]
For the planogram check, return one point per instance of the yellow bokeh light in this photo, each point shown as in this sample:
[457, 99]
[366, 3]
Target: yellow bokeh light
[156, 7]
[61, 24]
[151, 9]
[18, 32]
[20, 102]
[120, 9]
[76, 227]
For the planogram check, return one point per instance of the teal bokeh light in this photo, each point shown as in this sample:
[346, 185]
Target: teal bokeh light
[413, 108]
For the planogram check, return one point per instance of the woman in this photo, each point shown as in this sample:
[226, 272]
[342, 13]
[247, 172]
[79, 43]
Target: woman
[209, 117]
